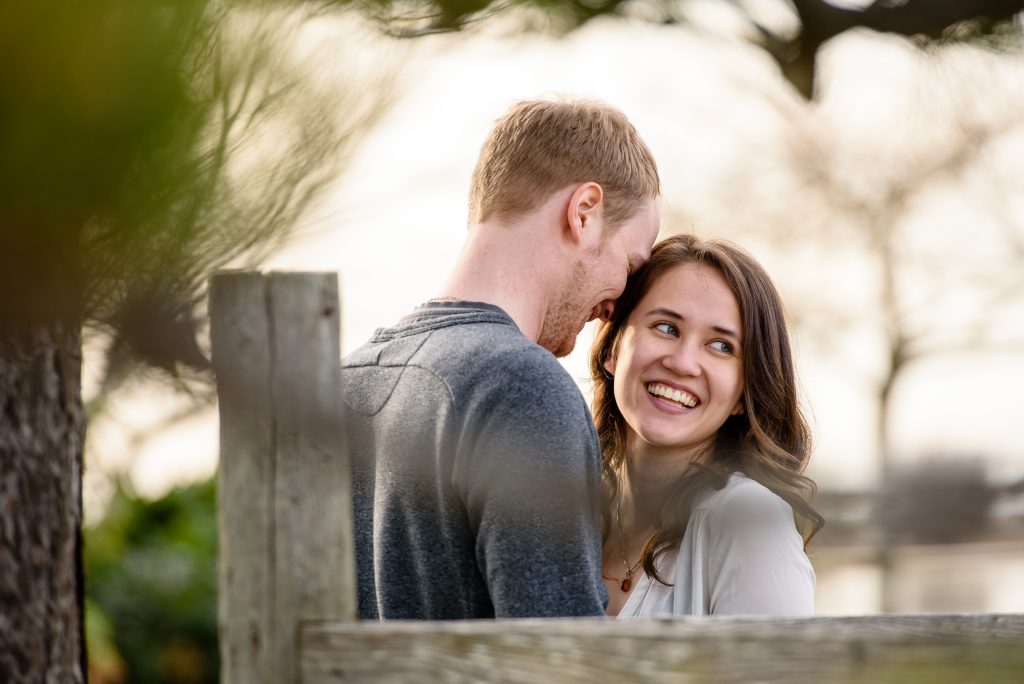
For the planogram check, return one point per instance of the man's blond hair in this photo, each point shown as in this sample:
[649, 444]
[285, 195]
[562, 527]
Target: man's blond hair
[542, 146]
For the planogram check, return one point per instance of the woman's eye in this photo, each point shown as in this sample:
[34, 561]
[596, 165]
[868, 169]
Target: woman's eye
[722, 346]
[666, 328]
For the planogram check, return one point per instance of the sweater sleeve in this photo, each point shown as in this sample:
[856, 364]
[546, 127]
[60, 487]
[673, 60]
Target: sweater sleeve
[756, 560]
[531, 483]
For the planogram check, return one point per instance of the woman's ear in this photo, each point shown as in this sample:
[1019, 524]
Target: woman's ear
[609, 365]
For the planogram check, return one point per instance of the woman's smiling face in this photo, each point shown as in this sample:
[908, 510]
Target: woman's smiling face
[678, 366]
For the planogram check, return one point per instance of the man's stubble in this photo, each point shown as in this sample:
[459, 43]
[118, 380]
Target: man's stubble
[567, 314]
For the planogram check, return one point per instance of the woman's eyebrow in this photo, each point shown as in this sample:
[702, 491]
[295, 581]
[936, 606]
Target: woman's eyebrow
[669, 313]
[726, 331]
[662, 311]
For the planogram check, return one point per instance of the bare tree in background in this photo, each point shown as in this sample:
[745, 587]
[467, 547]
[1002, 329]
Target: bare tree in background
[994, 284]
[144, 146]
[792, 42]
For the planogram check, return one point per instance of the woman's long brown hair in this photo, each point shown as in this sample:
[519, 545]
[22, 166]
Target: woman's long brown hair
[769, 442]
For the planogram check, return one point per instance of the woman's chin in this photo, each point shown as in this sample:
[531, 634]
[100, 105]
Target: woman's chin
[672, 441]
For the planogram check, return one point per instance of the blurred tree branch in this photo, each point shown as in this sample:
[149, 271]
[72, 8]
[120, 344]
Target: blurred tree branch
[267, 145]
[794, 51]
[821, 21]
[881, 218]
[145, 144]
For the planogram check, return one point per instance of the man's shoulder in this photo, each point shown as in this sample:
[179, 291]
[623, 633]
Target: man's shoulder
[470, 358]
[431, 333]
[471, 345]
[502, 374]
[485, 338]
[498, 359]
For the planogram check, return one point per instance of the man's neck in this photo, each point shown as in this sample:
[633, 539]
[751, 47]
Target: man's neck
[504, 266]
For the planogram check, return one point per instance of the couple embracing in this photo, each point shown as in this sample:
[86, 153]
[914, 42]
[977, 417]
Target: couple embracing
[483, 484]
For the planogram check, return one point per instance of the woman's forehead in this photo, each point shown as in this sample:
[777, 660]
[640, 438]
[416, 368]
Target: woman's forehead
[695, 292]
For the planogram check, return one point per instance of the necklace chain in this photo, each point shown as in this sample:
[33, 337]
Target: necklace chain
[627, 581]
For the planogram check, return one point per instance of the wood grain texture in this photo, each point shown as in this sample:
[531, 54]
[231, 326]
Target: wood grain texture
[286, 548]
[315, 574]
[240, 337]
[922, 648]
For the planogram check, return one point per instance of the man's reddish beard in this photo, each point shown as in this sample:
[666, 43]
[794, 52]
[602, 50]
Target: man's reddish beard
[566, 315]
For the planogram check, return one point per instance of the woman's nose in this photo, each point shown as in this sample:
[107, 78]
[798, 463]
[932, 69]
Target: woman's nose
[683, 360]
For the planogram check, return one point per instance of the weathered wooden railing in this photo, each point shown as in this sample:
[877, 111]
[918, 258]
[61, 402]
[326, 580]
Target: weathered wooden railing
[287, 592]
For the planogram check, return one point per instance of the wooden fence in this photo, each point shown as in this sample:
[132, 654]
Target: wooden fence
[286, 574]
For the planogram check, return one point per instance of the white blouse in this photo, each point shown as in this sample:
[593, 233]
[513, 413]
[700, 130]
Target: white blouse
[740, 555]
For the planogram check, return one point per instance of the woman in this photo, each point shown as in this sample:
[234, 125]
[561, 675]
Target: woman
[705, 509]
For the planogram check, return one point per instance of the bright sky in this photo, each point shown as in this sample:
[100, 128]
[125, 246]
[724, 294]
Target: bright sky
[723, 127]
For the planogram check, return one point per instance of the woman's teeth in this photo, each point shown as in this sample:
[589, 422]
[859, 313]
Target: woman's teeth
[678, 396]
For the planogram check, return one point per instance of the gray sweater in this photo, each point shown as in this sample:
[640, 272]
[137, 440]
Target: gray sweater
[476, 472]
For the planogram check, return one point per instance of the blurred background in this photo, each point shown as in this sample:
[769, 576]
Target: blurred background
[871, 156]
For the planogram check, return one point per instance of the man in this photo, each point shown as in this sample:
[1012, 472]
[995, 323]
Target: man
[476, 468]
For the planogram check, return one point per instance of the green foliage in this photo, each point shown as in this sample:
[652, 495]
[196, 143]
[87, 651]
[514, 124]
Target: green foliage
[151, 582]
[147, 144]
[88, 91]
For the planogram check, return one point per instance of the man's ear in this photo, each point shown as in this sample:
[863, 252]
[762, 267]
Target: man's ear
[584, 212]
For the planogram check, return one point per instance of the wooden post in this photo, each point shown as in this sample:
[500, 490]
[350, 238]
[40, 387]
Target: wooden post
[286, 549]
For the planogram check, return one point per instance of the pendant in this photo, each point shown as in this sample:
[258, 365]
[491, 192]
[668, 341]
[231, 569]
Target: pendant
[627, 583]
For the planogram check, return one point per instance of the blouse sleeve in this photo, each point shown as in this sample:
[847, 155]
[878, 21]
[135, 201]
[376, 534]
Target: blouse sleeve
[756, 562]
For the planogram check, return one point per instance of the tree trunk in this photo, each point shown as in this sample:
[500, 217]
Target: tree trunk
[42, 428]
